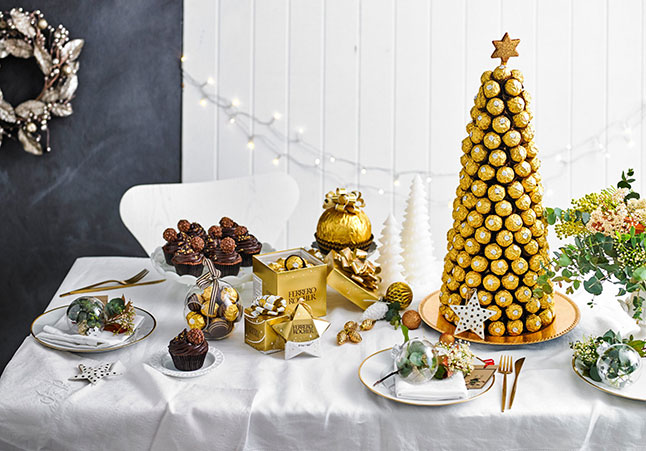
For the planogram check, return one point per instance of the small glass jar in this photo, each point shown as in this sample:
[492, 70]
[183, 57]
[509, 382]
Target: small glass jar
[217, 320]
[416, 360]
[86, 315]
[619, 365]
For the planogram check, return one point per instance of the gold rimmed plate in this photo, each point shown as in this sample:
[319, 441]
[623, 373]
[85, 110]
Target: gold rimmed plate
[374, 367]
[636, 391]
[51, 317]
[566, 317]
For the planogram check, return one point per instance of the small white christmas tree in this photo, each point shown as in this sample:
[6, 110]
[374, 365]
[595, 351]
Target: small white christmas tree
[416, 241]
[390, 251]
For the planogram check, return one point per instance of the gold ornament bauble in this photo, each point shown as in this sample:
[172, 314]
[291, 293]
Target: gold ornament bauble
[399, 292]
[343, 224]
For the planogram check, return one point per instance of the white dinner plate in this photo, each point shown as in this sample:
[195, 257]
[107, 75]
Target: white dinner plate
[636, 391]
[375, 366]
[159, 263]
[163, 362]
[51, 317]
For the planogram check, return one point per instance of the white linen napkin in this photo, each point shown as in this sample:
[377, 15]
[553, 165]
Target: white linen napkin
[60, 335]
[434, 390]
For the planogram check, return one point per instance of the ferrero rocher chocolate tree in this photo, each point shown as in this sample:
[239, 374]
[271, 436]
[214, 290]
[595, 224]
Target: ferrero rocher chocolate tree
[498, 239]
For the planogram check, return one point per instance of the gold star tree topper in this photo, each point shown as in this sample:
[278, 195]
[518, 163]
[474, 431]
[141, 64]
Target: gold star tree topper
[505, 48]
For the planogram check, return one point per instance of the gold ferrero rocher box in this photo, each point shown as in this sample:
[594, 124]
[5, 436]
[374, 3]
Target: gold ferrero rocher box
[259, 334]
[349, 289]
[308, 283]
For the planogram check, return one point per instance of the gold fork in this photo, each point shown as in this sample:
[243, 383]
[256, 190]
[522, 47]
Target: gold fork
[136, 278]
[504, 368]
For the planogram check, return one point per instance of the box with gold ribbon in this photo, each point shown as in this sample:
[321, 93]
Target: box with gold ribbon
[354, 276]
[293, 274]
[264, 312]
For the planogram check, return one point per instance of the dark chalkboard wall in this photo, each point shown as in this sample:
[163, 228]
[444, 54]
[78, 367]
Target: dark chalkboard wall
[125, 131]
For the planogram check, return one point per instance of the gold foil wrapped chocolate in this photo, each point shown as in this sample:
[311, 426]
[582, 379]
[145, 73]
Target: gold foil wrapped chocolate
[491, 88]
[483, 206]
[367, 324]
[501, 124]
[496, 193]
[518, 153]
[513, 87]
[496, 329]
[495, 106]
[343, 222]
[492, 140]
[533, 323]
[497, 158]
[501, 72]
[512, 138]
[486, 172]
[515, 327]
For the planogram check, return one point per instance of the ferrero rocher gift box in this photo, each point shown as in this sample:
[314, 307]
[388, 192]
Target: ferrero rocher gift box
[304, 280]
[353, 276]
[259, 334]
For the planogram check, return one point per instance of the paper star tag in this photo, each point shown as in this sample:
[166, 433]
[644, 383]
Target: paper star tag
[505, 48]
[472, 316]
[293, 348]
[302, 333]
[95, 373]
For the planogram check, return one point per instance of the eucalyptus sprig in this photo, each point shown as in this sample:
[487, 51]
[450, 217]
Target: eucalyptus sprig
[595, 258]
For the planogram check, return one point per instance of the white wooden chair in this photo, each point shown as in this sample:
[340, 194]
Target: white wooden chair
[263, 203]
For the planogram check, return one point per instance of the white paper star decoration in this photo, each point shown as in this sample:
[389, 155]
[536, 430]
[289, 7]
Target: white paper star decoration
[95, 373]
[294, 348]
[472, 316]
[302, 333]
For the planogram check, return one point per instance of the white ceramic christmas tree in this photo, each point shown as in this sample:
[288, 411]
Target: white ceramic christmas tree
[416, 241]
[390, 252]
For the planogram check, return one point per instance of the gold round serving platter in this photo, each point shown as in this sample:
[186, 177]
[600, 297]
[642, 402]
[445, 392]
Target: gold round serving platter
[142, 332]
[610, 390]
[566, 317]
[378, 360]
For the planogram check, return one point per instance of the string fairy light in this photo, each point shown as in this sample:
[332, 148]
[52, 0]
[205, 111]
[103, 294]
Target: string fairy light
[275, 140]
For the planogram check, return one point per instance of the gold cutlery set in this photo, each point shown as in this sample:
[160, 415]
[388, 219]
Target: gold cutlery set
[505, 368]
[126, 283]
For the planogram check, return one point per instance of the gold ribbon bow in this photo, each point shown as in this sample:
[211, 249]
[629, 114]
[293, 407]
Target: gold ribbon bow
[357, 266]
[210, 278]
[343, 200]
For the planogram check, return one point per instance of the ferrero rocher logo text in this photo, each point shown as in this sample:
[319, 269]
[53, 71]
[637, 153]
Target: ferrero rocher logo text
[305, 294]
[253, 332]
[303, 329]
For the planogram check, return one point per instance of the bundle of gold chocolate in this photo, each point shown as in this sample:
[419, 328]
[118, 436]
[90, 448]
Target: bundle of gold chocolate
[498, 242]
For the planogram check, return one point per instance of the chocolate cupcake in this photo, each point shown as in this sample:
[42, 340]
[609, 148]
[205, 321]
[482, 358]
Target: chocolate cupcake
[197, 230]
[227, 260]
[188, 259]
[212, 241]
[228, 226]
[173, 243]
[188, 350]
[247, 245]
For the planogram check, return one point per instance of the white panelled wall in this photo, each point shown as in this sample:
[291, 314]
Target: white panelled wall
[373, 89]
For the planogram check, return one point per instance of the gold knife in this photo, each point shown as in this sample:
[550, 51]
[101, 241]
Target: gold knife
[517, 367]
[116, 287]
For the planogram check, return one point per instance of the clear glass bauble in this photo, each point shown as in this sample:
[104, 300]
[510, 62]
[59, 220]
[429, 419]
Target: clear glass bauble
[619, 365]
[217, 322]
[416, 360]
[86, 315]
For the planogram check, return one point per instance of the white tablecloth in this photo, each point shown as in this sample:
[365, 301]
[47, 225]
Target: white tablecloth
[255, 401]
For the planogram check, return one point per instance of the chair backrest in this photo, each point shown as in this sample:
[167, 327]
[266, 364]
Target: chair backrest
[263, 203]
